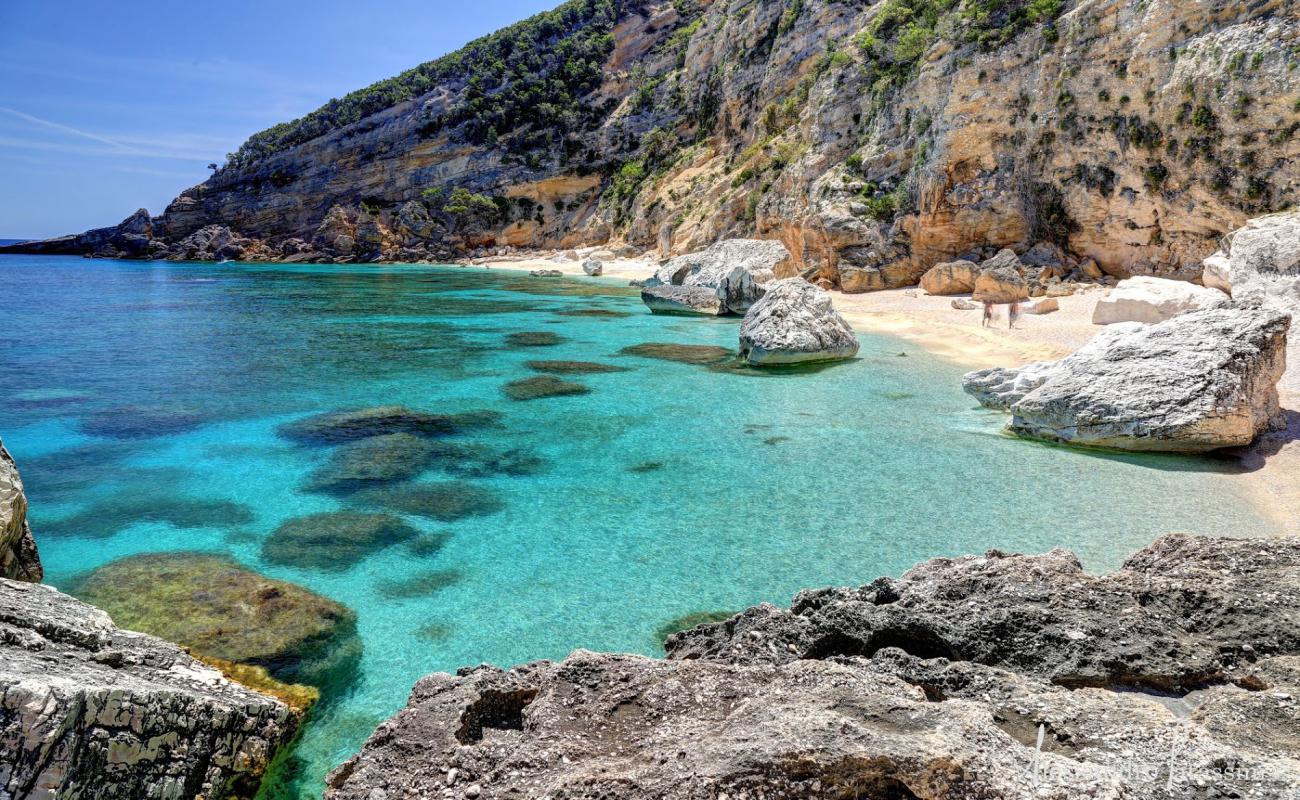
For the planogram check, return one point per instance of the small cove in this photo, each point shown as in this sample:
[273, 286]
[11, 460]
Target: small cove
[146, 403]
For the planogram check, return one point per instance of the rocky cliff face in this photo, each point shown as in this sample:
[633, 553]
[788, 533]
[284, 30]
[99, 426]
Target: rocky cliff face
[874, 138]
[1001, 676]
[87, 710]
[18, 557]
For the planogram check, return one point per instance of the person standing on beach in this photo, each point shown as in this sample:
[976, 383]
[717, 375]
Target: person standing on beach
[1013, 315]
[988, 313]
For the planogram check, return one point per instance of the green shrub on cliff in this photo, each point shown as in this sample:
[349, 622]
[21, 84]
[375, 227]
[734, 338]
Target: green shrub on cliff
[531, 73]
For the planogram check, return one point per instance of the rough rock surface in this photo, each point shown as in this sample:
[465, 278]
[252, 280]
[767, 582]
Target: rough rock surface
[18, 557]
[1148, 300]
[934, 685]
[951, 277]
[735, 270]
[1130, 132]
[1000, 285]
[1200, 381]
[1259, 262]
[795, 322]
[669, 299]
[88, 710]
[593, 267]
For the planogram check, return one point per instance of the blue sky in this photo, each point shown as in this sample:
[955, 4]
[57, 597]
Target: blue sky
[109, 106]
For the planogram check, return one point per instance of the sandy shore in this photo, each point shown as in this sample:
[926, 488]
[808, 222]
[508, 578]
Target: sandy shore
[1272, 478]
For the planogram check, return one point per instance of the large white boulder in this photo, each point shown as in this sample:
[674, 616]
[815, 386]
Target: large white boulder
[733, 269]
[1260, 261]
[1149, 300]
[792, 323]
[1200, 381]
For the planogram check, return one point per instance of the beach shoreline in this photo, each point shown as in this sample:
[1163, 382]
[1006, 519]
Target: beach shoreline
[1271, 467]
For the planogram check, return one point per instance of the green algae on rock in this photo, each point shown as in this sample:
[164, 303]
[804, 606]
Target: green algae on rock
[445, 501]
[573, 367]
[533, 339]
[334, 541]
[378, 459]
[421, 584]
[116, 513]
[543, 386]
[338, 427]
[699, 354]
[593, 312]
[223, 610]
[428, 545]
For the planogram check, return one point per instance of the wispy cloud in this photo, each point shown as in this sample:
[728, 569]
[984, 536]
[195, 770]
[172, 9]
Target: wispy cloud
[58, 126]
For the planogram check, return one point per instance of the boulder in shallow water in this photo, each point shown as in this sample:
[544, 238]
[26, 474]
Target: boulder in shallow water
[1149, 300]
[91, 711]
[334, 540]
[793, 323]
[683, 300]
[223, 610]
[336, 427]
[1200, 381]
[593, 267]
[18, 557]
[733, 270]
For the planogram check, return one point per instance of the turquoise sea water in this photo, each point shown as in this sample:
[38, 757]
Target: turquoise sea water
[670, 488]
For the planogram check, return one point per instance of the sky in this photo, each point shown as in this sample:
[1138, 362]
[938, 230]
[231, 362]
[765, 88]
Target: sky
[106, 107]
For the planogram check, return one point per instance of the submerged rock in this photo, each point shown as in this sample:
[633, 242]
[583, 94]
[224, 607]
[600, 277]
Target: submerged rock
[223, 610]
[1200, 381]
[119, 511]
[933, 685]
[573, 367]
[795, 322]
[334, 540]
[445, 501]
[1150, 300]
[421, 584]
[337, 427]
[542, 386]
[135, 422]
[533, 339]
[688, 621]
[88, 710]
[367, 462]
[18, 557]
[701, 354]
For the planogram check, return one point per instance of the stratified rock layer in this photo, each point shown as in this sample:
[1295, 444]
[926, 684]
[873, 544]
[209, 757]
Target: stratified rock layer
[18, 557]
[936, 685]
[90, 711]
[795, 322]
[1200, 381]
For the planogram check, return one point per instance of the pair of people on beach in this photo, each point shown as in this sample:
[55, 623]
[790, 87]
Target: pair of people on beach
[1013, 314]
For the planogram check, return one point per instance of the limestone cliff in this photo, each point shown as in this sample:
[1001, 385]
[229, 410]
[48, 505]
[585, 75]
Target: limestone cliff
[18, 557]
[873, 138]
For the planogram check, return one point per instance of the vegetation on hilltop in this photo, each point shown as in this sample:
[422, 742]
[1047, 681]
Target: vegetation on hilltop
[532, 73]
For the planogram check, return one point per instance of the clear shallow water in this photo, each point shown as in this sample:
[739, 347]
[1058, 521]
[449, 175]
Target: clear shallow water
[767, 484]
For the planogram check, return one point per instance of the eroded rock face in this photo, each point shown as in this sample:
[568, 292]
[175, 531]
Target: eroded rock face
[1148, 300]
[88, 710]
[1259, 262]
[734, 270]
[1000, 285]
[1200, 381]
[952, 277]
[795, 322]
[18, 557]
[933, 685]
[686, 300]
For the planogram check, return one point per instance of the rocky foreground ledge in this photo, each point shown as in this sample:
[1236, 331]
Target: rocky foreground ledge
[1000, 676]
[91, 711]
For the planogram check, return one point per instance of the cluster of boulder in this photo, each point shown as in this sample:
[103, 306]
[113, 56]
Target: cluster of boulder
[1180, 367]
[1005, 277]
[995, 676]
